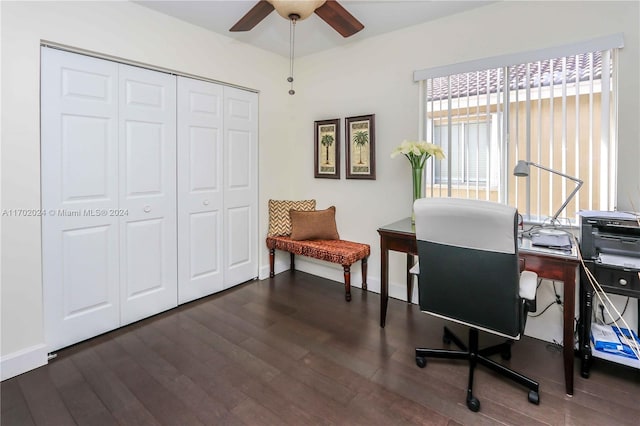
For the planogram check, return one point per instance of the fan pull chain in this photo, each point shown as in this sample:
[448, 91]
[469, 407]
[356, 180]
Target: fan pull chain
[292, 41]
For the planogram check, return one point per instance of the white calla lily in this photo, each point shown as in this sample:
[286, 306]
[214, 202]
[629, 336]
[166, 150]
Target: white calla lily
[418, 152]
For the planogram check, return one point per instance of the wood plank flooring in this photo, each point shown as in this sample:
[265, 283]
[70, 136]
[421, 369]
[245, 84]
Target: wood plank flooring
[291, 351]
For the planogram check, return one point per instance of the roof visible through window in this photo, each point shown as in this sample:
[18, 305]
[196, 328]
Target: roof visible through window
[541, 74]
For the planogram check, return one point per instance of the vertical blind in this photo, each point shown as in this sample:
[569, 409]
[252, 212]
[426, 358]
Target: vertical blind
[557, 111]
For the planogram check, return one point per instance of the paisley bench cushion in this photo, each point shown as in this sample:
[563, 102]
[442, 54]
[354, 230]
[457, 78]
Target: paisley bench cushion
[336, 251]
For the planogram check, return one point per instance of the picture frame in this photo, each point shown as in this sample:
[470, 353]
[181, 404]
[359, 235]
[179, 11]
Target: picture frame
[360, 147]
[327, 149]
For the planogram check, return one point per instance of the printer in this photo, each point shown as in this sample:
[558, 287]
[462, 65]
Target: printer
[610, 246]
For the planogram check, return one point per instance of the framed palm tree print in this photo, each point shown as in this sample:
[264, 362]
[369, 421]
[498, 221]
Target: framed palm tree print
[360, 147]
[327, 153]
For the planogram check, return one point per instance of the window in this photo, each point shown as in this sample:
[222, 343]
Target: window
[469, 146]
[558, 112]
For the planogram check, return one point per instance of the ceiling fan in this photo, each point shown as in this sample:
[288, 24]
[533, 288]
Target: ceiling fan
[329, 10]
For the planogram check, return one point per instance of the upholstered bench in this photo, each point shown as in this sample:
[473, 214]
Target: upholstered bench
[298, 228]
[343, 252]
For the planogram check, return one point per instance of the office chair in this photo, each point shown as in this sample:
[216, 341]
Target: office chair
[468, 273]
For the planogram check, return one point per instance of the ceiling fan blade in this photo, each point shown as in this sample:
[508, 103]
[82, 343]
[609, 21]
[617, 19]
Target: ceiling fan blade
[253, 17]
[339, 18]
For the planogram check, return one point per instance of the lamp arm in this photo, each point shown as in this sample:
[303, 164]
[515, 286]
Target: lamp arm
[556, 172]
[573, 193]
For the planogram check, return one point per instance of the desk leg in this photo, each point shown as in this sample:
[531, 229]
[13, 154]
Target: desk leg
[384, 281]
[409, 278]
[569, 311]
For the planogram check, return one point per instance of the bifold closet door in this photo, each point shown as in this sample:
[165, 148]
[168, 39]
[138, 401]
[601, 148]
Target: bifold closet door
[79, 151]
[108, 164]
[147, 164]
[200, 213]
[240, 186]
[217, 187]
[112, 159]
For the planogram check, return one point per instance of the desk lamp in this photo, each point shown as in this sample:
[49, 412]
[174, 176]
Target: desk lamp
[522, 169]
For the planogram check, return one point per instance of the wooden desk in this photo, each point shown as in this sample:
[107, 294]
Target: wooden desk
[547, 263]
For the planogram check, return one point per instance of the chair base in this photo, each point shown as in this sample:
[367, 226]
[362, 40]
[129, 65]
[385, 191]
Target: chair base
[478, 356]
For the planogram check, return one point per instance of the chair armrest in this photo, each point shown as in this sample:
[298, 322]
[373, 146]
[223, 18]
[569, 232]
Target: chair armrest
[528, 283]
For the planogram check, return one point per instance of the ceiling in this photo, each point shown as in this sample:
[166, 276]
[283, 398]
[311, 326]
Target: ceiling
[313, 34]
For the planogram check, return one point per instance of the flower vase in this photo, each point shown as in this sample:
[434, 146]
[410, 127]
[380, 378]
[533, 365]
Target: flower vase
[416, 176]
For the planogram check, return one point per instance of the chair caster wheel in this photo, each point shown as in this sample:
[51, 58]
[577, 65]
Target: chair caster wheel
[473, 404]
[421, 361]
[534, 397]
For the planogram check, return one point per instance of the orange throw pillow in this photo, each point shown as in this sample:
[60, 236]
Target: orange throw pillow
[314, 225]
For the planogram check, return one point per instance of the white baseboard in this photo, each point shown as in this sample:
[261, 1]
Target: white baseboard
[263, 273]
[22, 361]
[335, 273]
[279, 266]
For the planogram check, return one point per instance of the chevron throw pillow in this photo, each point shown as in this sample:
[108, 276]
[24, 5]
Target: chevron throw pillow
[279, 220]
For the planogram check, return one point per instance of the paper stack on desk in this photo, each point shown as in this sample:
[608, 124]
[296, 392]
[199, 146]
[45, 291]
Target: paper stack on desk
[555, 241]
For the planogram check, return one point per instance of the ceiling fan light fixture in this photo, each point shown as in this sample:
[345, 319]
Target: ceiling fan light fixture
[302, 8]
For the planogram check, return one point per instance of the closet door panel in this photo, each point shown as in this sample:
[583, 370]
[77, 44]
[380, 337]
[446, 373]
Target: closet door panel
[239, 248]
[79, 188]
[148, 240]
[200, 191]
[240, 186]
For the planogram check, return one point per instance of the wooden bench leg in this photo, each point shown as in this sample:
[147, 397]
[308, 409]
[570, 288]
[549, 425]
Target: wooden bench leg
[292, 266]
[364, 273]
[272, 261]
[347, 282]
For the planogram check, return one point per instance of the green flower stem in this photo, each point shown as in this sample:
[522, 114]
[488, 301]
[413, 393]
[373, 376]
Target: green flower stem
[417, 161]
[416, 173]
[416, 177]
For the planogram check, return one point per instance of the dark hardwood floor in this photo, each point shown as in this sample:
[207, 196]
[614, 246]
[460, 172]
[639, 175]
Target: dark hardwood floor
[291, 351]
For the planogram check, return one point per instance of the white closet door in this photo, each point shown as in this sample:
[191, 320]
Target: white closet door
[240, 186]
[200, 215]
[79, 183]
[147, 141]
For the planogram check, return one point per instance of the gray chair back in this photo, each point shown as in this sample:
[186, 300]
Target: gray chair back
[469, 266]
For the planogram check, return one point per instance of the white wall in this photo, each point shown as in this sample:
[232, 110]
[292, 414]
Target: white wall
[375, 77]
[122, 30]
